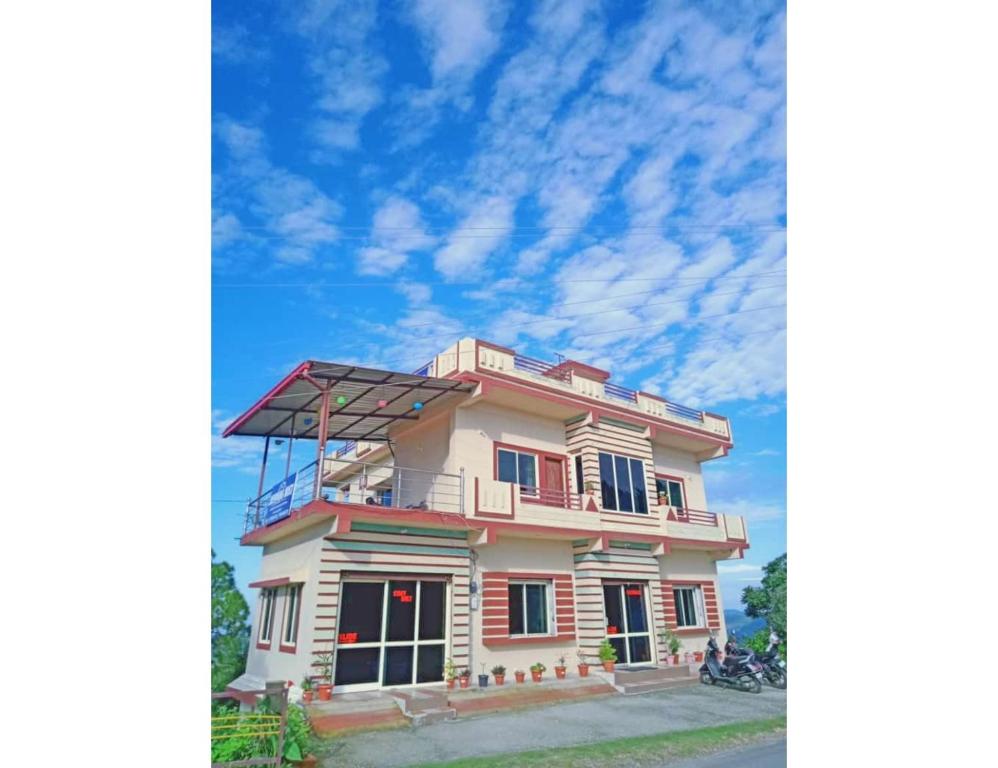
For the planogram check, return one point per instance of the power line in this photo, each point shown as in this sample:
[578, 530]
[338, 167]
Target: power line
[395, 283]
[448, 230]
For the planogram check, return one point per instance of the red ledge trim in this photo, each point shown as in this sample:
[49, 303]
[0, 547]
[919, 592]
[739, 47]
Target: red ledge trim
[528, 640]
[270, 583]
[263, 646]
[587, 371]
[258, 405]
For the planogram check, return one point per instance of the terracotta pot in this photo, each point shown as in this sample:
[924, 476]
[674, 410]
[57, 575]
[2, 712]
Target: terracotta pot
[609, 665]
[307, 696]
[675, 659]
[465, 682]
[520, 676]
[325, 691]
[559, 672]
[698, 656]
[450, 683]
[309, 761]
[583, 670]
[536, 676]
[500, 679]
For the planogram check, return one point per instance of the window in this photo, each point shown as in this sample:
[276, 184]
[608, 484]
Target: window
[689, 606]
[528, 609]
[578, 474]
[292, 608]
[517, 467]
[622, 482]
[266, 616]
[670, 492]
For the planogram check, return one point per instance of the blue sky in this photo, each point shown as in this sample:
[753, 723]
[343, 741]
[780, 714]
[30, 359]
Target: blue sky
[606, 181]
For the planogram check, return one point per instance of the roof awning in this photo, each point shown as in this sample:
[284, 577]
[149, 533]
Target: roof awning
[363, 402]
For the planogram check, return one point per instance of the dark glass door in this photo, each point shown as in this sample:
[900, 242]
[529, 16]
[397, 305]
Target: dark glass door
[627, 622]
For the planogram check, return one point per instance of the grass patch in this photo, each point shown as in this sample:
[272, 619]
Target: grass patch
[636, 751]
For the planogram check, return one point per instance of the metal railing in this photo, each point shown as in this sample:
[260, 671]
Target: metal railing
[346, 448]
[424, 371]
[262, 511]
[683, 412]
[388, 485]
[550, 497]
[694, 516]
[266, 730]
[540, 368]
[620, 393]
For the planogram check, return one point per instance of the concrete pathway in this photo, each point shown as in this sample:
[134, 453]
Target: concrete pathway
[559, 725]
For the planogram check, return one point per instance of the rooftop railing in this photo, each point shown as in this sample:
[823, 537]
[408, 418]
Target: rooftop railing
[541, 368]
[346, 448]
[694, 516]
[295, 491]
[620, 393]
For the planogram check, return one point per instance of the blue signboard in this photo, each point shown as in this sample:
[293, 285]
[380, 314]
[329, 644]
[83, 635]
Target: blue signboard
[279, 502]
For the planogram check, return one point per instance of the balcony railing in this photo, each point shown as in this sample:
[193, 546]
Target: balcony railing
[346, 448]
[692, 516]
[550, 497]
[683, 412]
[293, 492]
[388, 485]
[540, 368]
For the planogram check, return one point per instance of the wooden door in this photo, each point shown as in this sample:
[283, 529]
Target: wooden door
[554, 474]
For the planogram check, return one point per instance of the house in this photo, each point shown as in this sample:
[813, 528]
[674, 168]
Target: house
[488, 508]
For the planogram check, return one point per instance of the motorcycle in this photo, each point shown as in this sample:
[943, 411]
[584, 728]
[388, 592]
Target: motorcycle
[774, 669]
[743, 673]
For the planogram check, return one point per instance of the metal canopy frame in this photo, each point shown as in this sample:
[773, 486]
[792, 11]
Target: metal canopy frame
[332, 401]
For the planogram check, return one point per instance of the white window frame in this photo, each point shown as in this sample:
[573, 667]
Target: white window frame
[548, 606]
[518, 454]
[616, 483]
[698, 607]
[292, 612]
[267, 599]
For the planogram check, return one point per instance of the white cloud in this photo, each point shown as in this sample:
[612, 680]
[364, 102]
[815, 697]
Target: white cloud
[240, 453]
[752, 511]
[481, 232]
[460, 36]
[729, 568]
[397, 231]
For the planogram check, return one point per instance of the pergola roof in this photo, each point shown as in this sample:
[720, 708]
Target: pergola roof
[293, 407]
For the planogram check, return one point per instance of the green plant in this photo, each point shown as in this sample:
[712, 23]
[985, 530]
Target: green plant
[306, 683]
[607, 651]
[561, 661]
[582, 657]
[450, 670]
[769, 601]
[671, 641]
[229, 626]
[465, 672]
[498, 669]
[759, 642]
[242, 739]
[538, 667]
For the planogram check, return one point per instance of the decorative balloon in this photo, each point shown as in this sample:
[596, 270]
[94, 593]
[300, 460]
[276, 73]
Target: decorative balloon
[382, 403]
[341, 400]
[417, 406]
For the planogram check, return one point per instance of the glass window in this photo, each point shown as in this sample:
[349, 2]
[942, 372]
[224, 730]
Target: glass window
[578, 474]
[292, 607]
[360, 612]
[528, 609]
[688, 606]
[266, 615]
[670, 492]
[432, 610]
[401, 610]
[622, 481]
[517, 467]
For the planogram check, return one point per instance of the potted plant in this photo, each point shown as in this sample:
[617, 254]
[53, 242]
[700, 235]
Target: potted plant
[520, 675]
[590, 487]
[698, 656]
[324, 661]
[465, 677]
[483, 679]
[607, 655]
[450, 672]
[536, 670]
[306, 690]
[500, 674]
[560, 669]
[583, 664]
[671, 641]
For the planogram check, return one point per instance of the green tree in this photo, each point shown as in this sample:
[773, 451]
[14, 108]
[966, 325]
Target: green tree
[769, 601]
[229, 627]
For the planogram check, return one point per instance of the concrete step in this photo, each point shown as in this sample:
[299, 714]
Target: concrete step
[631, 689]
[625, 676]
[415, 701]
[428, 716]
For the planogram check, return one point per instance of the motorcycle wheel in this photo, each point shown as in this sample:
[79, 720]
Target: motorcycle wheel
[751, 685]
[777, 678]
[706, 679]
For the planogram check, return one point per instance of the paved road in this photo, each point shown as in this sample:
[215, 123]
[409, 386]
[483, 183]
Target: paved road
[559, 725]
[769, 754]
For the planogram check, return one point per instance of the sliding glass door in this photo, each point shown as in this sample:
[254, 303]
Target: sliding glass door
[627, 624]
[391, 632]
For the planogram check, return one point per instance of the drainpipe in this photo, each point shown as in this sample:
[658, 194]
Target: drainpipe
[472, 606]
[263, 471]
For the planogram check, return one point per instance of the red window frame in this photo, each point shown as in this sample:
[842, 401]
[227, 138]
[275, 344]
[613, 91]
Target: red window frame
[679, 480]
[541, 455]
[495, 608]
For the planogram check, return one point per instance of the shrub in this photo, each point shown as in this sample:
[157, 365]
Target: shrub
[243, 744]
[607, 651]
[671, 641]
[498, 669]
[538, 667]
